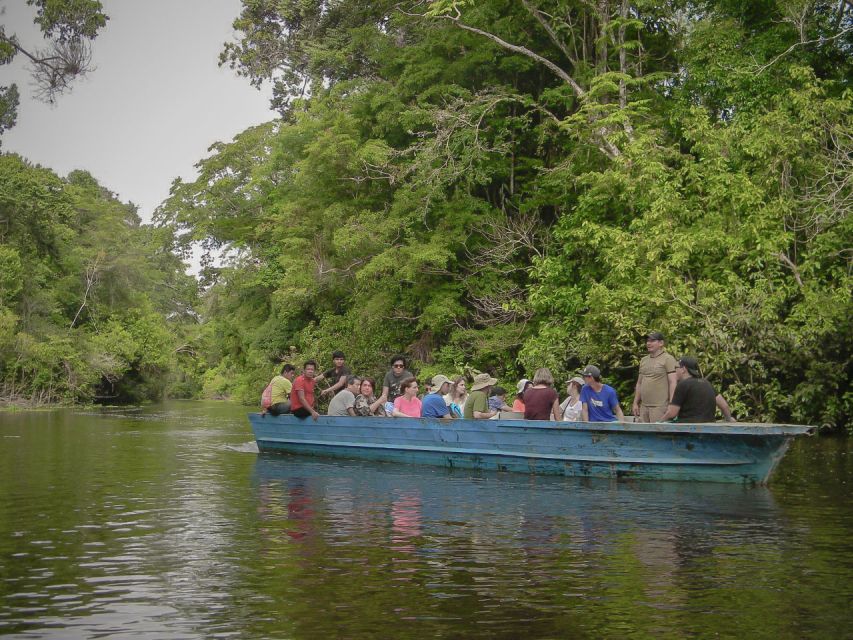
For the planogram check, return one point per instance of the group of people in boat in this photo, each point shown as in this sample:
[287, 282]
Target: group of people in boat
[666, 390]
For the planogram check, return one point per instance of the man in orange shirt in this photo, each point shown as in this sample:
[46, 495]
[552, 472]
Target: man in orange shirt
[302, 394]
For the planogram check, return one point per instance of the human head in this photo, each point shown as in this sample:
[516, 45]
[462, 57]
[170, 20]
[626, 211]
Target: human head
[409, 385]
[483, 381]
[576, 382]
[338, 358]
[543, 376]
[498, 392]
[309, 368]
[591, 371]
[288, 371]
[398, 363]
[367, 386]
[457, 389]
[654, 341]
[353, 383]
[690, 366]
[522, 385]
[440, 384]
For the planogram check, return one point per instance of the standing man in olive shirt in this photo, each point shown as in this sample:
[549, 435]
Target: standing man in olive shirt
[656, 382]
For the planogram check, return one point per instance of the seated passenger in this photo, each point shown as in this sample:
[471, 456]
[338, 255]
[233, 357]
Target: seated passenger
[343, 404]
[366, 403]
[457, 396]
[477, 404]
[572, 406]
[433, 405]
[281, 386]
[408, 405]
[302, 393]
[541, 401]
[336, 376]
[600, 402]
[392, 384]
[497, 400]
[518, 403]
[694, 399]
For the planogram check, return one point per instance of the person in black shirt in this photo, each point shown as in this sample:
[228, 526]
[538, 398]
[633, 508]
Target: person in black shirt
[336, 376]
[695, 399]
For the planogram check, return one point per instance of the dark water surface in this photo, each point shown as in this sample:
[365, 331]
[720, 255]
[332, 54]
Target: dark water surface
[164, 522]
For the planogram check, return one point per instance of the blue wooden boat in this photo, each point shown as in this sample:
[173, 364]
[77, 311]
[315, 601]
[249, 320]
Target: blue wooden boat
[715, 452]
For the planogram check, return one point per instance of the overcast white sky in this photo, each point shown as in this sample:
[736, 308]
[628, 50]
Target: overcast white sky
[154, 104]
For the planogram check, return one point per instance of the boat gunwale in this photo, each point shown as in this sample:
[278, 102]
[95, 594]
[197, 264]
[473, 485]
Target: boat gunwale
[695, 428]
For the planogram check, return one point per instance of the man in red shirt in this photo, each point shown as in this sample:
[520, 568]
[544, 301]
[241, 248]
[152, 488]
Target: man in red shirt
[302, 394]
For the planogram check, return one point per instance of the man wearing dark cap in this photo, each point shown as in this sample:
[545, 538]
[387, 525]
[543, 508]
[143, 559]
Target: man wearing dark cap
[599, 402]
[695, 399]
[656, 382]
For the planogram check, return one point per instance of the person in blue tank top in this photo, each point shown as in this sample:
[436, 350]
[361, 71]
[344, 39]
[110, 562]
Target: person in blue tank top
[434, 405]
[599, 401]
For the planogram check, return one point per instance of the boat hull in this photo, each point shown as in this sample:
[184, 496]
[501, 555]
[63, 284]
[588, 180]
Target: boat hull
[714, 452]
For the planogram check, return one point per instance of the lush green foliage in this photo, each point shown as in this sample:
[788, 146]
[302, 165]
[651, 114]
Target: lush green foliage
[505, 185]
[92, 303]
[479, 184]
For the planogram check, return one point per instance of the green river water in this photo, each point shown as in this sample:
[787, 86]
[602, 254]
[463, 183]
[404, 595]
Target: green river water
[164, 522]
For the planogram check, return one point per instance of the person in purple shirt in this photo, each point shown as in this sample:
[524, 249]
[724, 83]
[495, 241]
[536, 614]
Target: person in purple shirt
[599, 401]
[434, 405]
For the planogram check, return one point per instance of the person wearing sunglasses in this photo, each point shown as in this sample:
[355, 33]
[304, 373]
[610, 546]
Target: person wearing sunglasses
[393, 379]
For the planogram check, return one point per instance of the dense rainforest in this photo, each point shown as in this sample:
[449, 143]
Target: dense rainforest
[482, 185]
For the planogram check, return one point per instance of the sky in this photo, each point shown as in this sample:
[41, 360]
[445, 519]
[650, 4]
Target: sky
[155, 102]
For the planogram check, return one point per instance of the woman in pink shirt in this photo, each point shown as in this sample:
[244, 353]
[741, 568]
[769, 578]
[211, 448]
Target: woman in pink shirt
[408, 405]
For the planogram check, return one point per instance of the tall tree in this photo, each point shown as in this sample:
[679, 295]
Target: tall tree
[68, 28]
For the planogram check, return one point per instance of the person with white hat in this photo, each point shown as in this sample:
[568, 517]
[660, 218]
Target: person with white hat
[521, 387]
[477, 405]
[433, 405]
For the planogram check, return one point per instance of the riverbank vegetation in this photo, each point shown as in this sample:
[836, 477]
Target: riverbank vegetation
[93, 305]
[506, 185]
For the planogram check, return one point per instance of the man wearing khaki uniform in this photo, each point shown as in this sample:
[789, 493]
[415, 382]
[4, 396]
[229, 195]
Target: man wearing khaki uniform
[656, 382]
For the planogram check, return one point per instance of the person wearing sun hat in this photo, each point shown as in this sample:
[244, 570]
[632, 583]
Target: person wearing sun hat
[695, 399]
[433, 405]
[599, 401]
[521, 387]
[477, 405]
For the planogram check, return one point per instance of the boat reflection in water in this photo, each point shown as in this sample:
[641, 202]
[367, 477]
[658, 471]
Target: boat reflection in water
[421, 510]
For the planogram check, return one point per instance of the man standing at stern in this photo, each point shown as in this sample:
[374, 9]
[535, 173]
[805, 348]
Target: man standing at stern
[656, 382]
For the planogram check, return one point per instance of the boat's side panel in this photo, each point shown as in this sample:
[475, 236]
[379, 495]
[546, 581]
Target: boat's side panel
[527, 447]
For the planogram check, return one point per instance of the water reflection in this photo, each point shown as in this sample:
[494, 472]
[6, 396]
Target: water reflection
[165, 523]
[518, 548]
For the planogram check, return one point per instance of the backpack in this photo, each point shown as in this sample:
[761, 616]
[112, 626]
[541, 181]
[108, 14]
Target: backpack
[266, 397]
